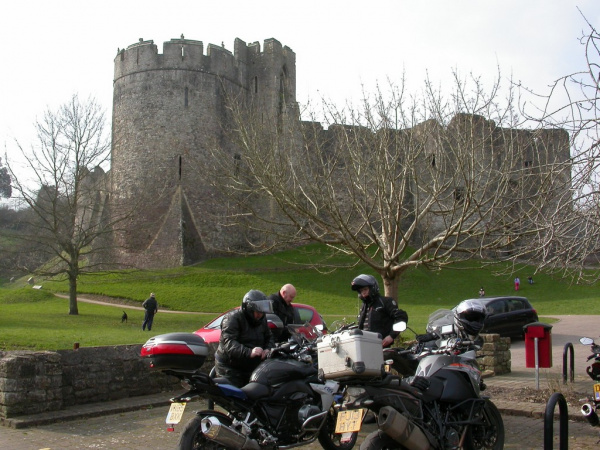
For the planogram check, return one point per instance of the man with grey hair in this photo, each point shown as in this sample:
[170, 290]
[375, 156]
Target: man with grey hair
[282, 307]
[151, 307]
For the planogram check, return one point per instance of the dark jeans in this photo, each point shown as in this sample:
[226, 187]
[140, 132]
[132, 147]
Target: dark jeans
[148, 318]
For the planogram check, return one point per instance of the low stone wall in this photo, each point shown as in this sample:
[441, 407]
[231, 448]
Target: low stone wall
[494, 356]
[34, 382]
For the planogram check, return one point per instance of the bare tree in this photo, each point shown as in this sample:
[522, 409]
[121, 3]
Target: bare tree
[67, 222]
[399, 181]
[572, 104]
[5, 185]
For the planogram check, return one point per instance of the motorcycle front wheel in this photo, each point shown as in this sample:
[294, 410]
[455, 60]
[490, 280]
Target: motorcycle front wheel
[329, 440]
[192, 438]
[490, 434]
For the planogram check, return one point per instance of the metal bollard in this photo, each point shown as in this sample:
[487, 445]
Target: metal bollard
[568, 346]
[563, 418]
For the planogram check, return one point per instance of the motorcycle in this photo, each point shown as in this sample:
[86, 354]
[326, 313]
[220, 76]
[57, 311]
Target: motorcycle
[440, 406]
[284, 405]
[592, 406]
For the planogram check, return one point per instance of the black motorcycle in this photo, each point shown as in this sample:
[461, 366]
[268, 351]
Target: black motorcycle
[591, 407]
[284, 405]
[440, 407]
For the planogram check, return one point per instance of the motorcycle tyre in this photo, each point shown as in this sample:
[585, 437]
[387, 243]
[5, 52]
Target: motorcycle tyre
[492, 415]
[329, 440]
[191, 438]
[379, 441]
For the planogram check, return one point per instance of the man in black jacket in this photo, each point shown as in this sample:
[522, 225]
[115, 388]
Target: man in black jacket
[282, 306]
[245, 339]
[377, 314]
[150, 306]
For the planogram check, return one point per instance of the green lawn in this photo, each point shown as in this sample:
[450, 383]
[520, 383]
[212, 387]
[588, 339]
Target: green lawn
[35, 319]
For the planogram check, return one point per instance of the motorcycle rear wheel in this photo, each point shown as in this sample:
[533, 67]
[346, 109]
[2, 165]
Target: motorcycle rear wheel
[490, 435]
[329, 440]
[379, 441]
[192, 438]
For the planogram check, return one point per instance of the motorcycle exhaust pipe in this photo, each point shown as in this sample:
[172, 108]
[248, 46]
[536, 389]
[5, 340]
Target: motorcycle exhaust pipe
[214, 430]
[400, 429]
[588, 411]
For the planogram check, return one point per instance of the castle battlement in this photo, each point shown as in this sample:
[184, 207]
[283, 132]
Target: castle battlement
[187, 54]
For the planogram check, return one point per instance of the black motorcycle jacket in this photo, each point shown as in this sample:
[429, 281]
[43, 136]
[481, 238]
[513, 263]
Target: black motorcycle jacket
[380, 315]
[238, 337]
[285, 312]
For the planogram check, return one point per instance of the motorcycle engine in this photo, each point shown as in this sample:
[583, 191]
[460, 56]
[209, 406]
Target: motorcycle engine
[307, 411]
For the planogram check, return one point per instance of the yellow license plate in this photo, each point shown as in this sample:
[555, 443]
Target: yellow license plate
[597, 392]
[175, 413]
[349, 421]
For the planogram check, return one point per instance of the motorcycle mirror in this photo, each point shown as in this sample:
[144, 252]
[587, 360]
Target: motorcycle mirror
[399, 326]
[586, 341]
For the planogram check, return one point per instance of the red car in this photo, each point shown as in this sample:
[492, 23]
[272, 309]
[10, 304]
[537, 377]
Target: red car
[211, 332]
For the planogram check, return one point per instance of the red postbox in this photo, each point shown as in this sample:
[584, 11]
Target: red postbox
[540, 335]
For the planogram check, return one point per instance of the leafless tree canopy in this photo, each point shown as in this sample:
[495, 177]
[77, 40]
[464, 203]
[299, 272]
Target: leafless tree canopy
[572, 104]
[65, 221]
[399, 180]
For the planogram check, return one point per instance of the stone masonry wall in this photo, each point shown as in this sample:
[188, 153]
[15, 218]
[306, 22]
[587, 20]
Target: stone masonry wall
[35, 382]
[494, 356]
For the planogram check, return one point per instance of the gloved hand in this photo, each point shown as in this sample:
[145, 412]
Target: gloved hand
[420, 383]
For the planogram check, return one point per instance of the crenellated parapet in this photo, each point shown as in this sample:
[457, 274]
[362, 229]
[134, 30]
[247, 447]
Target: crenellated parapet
[187, 54]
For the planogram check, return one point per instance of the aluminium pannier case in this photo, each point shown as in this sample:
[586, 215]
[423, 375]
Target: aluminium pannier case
[183, 351]
[351, 353]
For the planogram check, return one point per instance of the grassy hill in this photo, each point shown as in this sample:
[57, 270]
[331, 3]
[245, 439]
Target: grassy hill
[36, 319]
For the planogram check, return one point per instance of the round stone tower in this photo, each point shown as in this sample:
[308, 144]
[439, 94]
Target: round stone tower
[167, 110]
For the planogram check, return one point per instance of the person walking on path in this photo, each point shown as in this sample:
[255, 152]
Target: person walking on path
[517, 283]
[481, 292]
[151, 307]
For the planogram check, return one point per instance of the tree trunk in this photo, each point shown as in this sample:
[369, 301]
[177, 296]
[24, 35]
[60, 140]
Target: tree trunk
[73, 295]
[390, 286]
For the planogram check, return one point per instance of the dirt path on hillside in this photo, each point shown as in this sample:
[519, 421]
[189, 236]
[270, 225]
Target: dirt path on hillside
[126, 304]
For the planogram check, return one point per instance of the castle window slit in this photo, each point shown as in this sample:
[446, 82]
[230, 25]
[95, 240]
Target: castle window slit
[180, 162]
[185, 101]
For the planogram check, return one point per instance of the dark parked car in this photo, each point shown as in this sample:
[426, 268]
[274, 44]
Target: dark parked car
[211, 332]
[507, 315]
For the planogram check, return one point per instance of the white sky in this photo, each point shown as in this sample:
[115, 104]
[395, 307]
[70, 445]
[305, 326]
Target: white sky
[52, 49]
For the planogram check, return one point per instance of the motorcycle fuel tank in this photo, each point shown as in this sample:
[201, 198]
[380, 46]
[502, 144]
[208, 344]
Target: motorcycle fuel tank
[183, 351]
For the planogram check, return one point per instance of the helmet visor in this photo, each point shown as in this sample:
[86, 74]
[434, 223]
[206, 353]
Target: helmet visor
[263, 306]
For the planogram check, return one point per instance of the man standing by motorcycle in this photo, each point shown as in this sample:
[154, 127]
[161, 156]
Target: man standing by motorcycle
[377, 314]
[282, 306]
[245, 339]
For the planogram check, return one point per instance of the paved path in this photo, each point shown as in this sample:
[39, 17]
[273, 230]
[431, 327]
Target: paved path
[145, 429]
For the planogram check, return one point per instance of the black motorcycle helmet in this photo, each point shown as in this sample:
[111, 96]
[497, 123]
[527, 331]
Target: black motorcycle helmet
[256, 301]
[469, 316]
[369, 281]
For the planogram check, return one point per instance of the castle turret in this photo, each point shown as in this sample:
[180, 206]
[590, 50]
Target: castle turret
[168, 109]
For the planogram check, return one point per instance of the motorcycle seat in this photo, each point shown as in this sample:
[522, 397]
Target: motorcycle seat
[254, 390]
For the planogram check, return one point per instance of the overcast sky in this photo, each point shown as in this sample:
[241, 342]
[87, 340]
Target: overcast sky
[52, 49]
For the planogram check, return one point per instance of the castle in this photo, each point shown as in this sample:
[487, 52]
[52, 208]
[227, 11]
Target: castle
[167, 110]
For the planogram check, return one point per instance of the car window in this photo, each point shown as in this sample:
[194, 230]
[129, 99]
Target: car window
[497, 307]
[304, 314]
[515, 304]
[215, 323]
